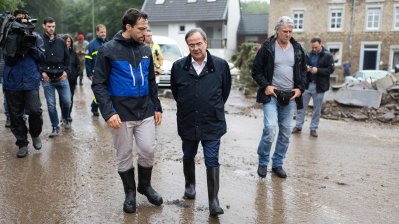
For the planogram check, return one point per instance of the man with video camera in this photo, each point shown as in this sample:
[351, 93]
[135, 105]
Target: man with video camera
[22, 79]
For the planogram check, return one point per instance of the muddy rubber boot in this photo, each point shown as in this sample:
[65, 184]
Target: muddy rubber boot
[144, 186]
[189, 175]
[129, 185]
[212, 177]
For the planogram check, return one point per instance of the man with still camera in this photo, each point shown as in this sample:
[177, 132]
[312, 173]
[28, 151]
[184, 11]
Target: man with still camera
[55, 71]
[21, 87]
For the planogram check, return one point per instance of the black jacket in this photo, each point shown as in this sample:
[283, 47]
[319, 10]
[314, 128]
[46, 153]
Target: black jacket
[263, 68]
[200, 98]
[325, 67]
[74, 66]
[124, 80]
[57, 57]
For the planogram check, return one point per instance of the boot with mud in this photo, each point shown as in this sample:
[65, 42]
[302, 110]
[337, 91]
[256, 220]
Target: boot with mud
[212, 175]
[129, 185]
[144, 186]
[189, 175]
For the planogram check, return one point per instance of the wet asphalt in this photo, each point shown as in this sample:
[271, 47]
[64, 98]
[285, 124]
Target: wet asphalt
[349, 174]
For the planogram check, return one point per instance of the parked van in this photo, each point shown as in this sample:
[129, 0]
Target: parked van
[171, 52]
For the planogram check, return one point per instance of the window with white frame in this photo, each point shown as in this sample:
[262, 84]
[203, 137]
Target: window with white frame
[336, 19]
[373, 18]
[298, 17]
[335, 49]
[158, 2]
[394, 58]
[191, 1]
[396, 17]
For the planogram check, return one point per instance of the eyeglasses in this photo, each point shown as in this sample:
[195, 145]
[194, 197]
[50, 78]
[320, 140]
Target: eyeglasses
[199, 45]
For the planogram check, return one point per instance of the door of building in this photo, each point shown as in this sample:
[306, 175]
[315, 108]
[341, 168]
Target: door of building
[370, 57]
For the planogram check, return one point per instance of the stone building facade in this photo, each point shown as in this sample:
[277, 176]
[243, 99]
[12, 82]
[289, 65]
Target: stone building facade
[363, 32]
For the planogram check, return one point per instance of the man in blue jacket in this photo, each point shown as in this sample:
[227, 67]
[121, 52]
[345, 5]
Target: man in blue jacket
[201, 84]
[90, 58]
[125, 89]
[21, 86]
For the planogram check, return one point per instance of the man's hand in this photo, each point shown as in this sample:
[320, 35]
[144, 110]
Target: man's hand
[312, 70]
[270, 91]
[158, 118]
[297, 93]
[63, 76]
[114, 121]
[45, 77]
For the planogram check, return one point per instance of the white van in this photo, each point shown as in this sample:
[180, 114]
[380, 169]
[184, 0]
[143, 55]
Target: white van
[171, 52]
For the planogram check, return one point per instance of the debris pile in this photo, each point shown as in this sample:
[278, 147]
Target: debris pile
[362, 101]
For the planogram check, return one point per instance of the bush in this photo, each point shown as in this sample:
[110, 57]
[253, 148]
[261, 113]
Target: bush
[243, 60]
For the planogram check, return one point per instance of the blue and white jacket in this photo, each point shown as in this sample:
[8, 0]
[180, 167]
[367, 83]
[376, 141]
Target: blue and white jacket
[124, 80]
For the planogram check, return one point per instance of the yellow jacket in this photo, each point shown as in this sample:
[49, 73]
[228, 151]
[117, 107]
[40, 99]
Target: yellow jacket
[158, 58]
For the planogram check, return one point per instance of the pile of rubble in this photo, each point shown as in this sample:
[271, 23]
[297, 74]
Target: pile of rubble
[376, 102]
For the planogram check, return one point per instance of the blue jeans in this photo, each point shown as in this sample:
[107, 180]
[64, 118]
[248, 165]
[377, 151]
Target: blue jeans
[275, 116]
[62, 87]
[211, 151]
[317, 104]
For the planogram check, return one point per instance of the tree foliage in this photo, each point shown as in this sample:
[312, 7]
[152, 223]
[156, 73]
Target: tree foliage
[9, 5]
[75, 16]
[255, 7]
[79, 15]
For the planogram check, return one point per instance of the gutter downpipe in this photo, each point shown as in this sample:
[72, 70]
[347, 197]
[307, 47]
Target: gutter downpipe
[352, 26]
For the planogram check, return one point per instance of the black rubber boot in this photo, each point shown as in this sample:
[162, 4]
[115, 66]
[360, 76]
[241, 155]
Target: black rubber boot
[129, 185]
[145, 186]
[189, 175]
[212, 176]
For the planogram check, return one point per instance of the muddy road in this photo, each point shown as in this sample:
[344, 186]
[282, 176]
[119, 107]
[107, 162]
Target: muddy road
[349, 174]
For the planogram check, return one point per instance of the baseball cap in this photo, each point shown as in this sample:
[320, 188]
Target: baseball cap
[81, 37]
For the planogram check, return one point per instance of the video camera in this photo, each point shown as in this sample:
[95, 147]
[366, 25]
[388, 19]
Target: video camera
[16, 34]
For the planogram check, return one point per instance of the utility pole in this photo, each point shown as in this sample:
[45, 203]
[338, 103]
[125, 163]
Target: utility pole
[92, 18]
